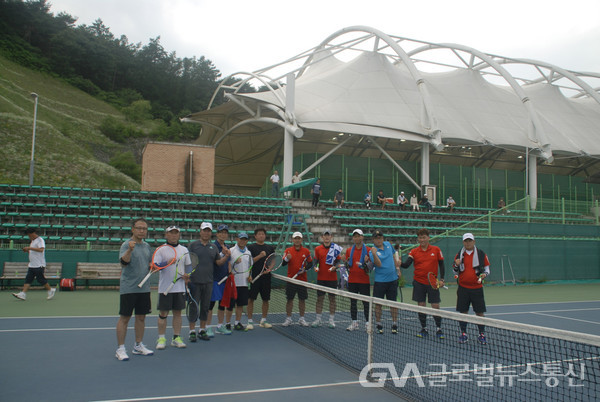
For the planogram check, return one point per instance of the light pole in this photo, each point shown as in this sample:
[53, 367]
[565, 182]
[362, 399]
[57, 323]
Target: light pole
[35, 99]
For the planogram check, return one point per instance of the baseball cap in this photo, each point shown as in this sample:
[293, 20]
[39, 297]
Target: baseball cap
[377, 233]
[357, 231]
[401, 192]
[222, 226]
[297, 234]
[206, 225]
[468, 236]
[172, 227]
[326, 231]
[242, 235]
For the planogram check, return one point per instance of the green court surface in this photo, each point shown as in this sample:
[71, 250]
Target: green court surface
[106, 302]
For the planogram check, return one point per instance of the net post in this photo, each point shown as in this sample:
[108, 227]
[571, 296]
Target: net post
[370, 340]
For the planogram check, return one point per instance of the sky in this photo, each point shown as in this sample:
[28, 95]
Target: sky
[242, 35]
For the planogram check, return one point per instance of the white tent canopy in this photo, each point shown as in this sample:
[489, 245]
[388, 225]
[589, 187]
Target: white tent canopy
[381, 92]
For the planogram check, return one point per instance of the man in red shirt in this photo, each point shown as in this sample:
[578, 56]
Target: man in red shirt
[471, 265]
[357, 259]
[427, 258]
[293, 257]
[327, 255]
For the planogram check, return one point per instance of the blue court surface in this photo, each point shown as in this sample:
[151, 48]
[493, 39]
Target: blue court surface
[72, 359]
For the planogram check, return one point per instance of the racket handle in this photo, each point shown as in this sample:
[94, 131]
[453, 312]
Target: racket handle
[166, 292]
[255, 279]
[479, 279]
[222, 280]
[145, 279]
[455, 276]
[294, 277]
[445, 287]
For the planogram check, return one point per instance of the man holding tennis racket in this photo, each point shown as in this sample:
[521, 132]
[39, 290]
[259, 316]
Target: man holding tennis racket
[428, 261]
[471, 265]
[298, 260]
[386, 278]
[219, 272]
[240, 265]
[135, 256]
[174, 299]
[327, 254]
[262, 280]
[202, 277]
[358, 260]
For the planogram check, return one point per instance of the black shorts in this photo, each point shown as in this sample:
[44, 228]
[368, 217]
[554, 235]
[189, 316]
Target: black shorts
[423, 292]
[221, 308]
[386, 290]
[171, 301]
[262, 286]
[466, 297]
[38, 273]
[291, 289]
[140, 302]
[242, 296]
[328, 284]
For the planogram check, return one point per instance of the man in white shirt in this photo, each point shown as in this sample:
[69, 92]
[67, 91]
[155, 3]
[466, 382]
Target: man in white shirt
[241, 280]
[275, 181]
[295, 179]
[402, 200]
[37, 264]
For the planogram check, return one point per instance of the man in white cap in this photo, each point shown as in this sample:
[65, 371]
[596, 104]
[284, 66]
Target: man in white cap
[402, 200]
[327, 255]
[357, 259]
[241, 280]
[294, 257]
[202, 277]
[471, 265]
[174, 300]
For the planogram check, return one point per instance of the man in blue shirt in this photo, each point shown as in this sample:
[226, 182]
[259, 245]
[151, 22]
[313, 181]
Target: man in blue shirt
[386, 278]
[316, 193]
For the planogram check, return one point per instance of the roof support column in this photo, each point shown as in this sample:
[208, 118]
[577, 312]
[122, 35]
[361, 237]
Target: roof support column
[532, 180]
[288, 138]
[425, 164]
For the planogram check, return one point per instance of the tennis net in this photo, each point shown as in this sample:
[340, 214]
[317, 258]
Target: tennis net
[519, 361]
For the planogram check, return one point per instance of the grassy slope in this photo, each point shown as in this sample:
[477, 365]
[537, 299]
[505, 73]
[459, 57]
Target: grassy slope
[68, 142]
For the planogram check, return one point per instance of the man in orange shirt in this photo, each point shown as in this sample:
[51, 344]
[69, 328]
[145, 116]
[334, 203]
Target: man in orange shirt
[293, 257]
[357, 260]
[471, 265]
[326, 256]
[427, 258]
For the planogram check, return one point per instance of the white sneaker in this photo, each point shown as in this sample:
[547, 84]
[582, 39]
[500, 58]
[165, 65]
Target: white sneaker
[250, 326]
[331, 325]
[51, 293]
[20, 295]
[122, 354]
[265, 324]
[316, 323]
[353, 326]
[161, 344]
[287, 322]
[303, 322]
[178, 342]
[141, 349]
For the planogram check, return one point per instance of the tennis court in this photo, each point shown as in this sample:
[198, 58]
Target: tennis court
[49, 354]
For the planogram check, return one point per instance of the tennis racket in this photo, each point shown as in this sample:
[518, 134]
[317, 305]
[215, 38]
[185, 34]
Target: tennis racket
[241, 265]
[343, 280]
[163, 256]
[272, 263]
[192, 311]
[433, 281]
[303, 268]
[180, 269]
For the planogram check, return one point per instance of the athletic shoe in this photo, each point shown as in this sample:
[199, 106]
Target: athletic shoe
[353, 326]
[51, 293]
[193, 336]
[287, 322]
[203, 335]
[141, 349]
[316, 323]
[177, 342]
[210, 332]
[264, 324]
[380, 329]
[161, 344]
[440, 334]
[481, 339]
[250, 326]
[423, 333]
[303, 322]
[240, 327]
[121, 354]
[20, 295]
[394, 329]
[228, 328]
[463, 338]
[223, 330]
[331, 325]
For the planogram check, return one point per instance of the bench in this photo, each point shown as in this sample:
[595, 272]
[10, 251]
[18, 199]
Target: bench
[87, 271]
[18, 270]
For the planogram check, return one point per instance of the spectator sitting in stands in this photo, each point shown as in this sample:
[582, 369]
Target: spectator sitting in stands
[368, 199]
[381, 199]
[402, 201]
[414, 203]
[338, 199]
[450, 203]
[502, 205]
[426, 204]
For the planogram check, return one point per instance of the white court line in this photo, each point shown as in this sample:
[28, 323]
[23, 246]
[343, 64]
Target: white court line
[527, 304]
[546, 311]
[66, 329]
[253, 391]
[568, 318]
